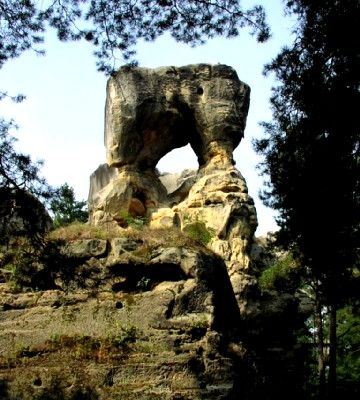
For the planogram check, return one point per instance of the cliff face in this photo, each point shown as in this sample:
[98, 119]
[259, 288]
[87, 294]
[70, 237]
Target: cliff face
[129, 317]
[151, 314]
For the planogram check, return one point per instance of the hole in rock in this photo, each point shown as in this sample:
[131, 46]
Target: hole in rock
[37, 382]
[197, 333]
[119, 305]
[200, 90]
[177, 160]
[141, 278]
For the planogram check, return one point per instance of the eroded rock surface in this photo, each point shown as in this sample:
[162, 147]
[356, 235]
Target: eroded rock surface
[132, 321]
[150, 112]
[152, 314]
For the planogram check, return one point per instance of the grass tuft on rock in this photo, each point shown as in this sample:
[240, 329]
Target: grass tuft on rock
[79, 230]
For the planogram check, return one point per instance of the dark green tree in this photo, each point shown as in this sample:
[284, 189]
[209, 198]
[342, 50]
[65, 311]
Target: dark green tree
[21, 188]
[312, 153]
[65, 207]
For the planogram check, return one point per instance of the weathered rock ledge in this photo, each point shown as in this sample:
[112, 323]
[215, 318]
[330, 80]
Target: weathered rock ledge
[124, 320]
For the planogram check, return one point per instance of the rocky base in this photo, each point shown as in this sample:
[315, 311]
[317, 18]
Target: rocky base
[215, 199]
[124, 321]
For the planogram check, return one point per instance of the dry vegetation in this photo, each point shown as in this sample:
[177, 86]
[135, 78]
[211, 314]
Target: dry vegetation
[79, 230]
[152, 237]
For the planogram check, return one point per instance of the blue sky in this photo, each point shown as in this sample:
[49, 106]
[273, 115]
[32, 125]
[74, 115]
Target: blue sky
[61, 121]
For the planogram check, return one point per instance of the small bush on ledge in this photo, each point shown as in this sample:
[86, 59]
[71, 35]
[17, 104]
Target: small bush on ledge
[199, 232]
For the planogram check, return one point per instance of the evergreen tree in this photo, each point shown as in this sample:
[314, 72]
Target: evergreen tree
[65, 208]
[312, 153]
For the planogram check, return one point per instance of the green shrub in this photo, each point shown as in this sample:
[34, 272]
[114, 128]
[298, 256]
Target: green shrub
[127, 334]
[279, 275]
[65, 207]
[199, 232]
[20, 264]
[135, 222]
[348, 331]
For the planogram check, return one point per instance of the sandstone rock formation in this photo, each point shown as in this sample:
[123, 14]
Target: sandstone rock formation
[126, 317]
[151, 313]
[150, 112]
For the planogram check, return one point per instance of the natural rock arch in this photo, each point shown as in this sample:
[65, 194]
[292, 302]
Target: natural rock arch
[177, 160]
[150, 112]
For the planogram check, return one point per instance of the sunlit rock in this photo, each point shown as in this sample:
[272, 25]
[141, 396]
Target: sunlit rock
[150, 112]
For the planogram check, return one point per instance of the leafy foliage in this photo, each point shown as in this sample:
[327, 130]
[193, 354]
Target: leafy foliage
[349, 343]
[65, 208]
[114, 26]
[21, 28]
[199, 232]
[348, 361]
[136, 222]
[312, 156]
[280, 275]
[16, 169]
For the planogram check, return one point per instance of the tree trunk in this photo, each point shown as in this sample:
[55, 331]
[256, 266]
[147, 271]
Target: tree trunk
[332, 352]
[320, 348]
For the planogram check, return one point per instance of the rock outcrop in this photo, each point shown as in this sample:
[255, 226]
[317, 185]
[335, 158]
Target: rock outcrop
[126, 317]
[158, 299]
[151, 112]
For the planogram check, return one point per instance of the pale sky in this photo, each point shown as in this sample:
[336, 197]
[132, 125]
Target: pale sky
[61, 121]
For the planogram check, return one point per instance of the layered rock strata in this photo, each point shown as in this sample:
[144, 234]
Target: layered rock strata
[123, 318]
